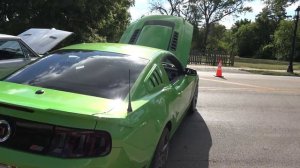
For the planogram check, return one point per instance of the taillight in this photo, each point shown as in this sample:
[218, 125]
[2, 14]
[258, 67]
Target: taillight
[71, 143]
[52, 140]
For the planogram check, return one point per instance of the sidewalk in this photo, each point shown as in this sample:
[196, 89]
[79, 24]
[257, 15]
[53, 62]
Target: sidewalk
[208, 68]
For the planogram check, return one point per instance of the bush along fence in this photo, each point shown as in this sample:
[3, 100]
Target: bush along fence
[211, 57]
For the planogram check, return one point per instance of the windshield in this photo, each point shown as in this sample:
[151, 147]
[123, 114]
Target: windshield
[94, 73]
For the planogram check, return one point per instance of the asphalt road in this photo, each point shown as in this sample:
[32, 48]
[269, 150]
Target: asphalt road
[243, 120]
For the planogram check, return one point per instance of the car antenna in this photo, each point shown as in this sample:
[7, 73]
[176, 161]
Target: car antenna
[129, 109]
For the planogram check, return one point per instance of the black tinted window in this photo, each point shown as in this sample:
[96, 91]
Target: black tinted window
[172, 67]
[94, 73]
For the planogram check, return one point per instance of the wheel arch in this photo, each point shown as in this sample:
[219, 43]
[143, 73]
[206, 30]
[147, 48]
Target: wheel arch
[169, 125]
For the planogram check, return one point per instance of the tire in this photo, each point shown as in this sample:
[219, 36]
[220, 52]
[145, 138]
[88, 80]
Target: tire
[162, 150]
[193, 106]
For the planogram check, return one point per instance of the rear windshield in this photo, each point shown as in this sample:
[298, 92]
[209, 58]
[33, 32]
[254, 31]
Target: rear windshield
[94, 73]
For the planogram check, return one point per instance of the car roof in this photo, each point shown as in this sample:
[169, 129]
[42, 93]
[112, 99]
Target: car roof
[133, 50]
[5, 36]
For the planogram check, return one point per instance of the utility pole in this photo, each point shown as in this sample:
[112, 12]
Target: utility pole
[290, 67]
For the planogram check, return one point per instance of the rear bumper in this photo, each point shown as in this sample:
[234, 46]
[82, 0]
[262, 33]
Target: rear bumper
[116, 159]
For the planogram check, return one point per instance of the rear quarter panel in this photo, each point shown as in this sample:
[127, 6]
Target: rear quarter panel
[138, 133]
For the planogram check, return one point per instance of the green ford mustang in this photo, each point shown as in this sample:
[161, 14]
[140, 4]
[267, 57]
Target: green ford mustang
[95, 105]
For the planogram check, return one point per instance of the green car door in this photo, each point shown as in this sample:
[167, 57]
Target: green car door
[178, 86]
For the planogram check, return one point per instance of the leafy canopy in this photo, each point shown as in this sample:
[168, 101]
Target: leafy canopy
[90, 20]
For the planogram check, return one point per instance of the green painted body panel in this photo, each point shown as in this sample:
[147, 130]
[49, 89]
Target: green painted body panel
[118, 158]
[135, 134]
[165, 32]
[155, 41]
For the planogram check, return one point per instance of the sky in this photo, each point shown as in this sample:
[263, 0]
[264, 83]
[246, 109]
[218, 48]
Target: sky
[141, 8]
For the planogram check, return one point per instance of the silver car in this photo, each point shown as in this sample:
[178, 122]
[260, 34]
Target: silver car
[14, 52]
[17, 51]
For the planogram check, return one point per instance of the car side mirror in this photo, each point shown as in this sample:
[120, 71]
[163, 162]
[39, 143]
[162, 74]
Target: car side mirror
[190, 72]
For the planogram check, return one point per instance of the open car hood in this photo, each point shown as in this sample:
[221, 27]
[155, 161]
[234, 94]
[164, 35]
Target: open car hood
[43, 40]
[169, 33]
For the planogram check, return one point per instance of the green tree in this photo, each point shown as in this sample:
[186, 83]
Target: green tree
[283, 40]
[247, 40]
[266, 26]
[215, 10]
[90, 20]
[205, 12]
[267, 43]
[180, 8]
[238, 24]
[277, 8]
[227, 42]
[215, 36]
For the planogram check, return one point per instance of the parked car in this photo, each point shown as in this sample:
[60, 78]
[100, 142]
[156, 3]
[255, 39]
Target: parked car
[97, 105]
[14, 52]
[17, 51]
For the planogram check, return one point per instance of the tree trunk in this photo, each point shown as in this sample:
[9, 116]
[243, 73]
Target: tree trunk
[206, 32]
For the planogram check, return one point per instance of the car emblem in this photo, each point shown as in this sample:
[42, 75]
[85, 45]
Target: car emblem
[5, 130]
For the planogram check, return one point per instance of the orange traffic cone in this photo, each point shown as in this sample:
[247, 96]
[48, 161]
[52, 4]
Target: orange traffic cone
[219, 70]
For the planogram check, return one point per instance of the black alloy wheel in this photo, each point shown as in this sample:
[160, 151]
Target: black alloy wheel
[193, 106]
[162, 151]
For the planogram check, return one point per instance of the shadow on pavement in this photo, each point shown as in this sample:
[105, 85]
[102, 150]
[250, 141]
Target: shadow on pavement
[190, 144]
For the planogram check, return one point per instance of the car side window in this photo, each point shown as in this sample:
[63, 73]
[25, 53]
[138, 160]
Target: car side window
[10, 49]
[173, 68]
[27, 52]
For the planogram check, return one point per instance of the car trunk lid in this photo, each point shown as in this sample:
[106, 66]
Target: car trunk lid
[52, 106]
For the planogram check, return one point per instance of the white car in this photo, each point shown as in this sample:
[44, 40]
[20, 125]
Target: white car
[17, 51]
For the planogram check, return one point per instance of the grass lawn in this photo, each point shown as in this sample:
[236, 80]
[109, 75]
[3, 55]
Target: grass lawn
[263, 64]
[275, 73]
